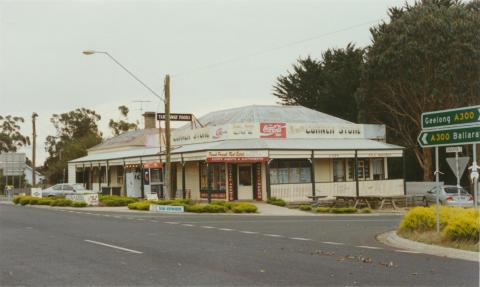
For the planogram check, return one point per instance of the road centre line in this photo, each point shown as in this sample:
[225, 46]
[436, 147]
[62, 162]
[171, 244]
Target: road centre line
[332, 243]
[188, 225]
[273, 235]
[368, 247]
[207, 227]
[248, 232]
[407, 251]
[171, 222]
[300, 238]
[226, 229]
[154, 221]
[113, 246]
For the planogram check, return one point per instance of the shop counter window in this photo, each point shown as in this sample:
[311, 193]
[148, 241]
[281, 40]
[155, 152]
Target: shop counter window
[290, 171]
[217, 175]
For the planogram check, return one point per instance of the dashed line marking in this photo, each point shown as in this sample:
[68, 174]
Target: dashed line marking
[333, 243]
[140, 219]
[408, 251]
[154, 221]
[226, 229]
[274, 235]
[300, 238]
[207, 227]
[113, 246]
[368, 247]
[248, 232]
[171, 222]
[188, 225]
[116, 216]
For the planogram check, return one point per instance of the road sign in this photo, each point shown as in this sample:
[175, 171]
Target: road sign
[454, 149]
[450, 118]
[445, 137]
[462, 164]
[175, 117]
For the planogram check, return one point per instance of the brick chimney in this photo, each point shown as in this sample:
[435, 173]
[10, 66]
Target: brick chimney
[150, 120]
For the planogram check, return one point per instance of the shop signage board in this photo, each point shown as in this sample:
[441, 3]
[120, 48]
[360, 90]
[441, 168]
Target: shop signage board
[237, 156]
[88, 198]
[12, 163]
[445, 137]
[175, 117]
[452, 117]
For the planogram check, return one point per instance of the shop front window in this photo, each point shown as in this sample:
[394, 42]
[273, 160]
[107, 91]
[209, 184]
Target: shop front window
[217, 174]
[339, 170]
[378, 169]
[290, 171]
[156, 175]
[363, 169]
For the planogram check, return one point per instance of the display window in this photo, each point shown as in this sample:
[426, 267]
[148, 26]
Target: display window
[290, 171]
[217, 176]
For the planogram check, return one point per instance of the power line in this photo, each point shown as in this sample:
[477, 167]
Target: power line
[234, 59]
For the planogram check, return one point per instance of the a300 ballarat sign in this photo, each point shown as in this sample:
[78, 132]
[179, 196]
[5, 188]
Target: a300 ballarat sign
[451, 118]
[445, 137]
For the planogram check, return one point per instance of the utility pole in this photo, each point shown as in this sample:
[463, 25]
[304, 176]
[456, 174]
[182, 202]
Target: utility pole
[167, 180]
[34, 147]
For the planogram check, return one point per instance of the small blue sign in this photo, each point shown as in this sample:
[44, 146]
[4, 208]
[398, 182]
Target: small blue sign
[166, 208]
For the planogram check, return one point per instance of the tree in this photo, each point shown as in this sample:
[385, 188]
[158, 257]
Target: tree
[122, 125]
[10, 136]
[329, 85]
[77, 131]
[427, 57]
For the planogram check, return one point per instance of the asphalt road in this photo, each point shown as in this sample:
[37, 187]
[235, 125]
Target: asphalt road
[60, 247]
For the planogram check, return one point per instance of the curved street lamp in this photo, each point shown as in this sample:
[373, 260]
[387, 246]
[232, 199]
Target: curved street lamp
[165, 100]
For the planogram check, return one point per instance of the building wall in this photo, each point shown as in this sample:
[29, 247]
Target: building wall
[323, 170]
[192, 180]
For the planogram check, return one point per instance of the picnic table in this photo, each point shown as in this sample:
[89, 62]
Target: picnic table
[367, 200]
[315, 199]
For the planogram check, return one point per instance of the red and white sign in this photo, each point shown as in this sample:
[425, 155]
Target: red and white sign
[152, 165]
[237, 156]
[273, 130]
[258, 183]
[230, 182]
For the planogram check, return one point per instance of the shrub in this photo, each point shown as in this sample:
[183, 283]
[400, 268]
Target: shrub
[79, 204]
[139, 205]
[197, 208]
[44, 201]
[464, 228]
[16, 199]
[115, 200]
[305, 207]
[323, 210]
[276, 201]
[24, 200]
[244, 207]
[366, 210]
[418, 219]
[343, 210]
[61, 202]
[213, 208]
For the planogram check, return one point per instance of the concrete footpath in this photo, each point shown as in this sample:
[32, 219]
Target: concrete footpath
[392, 239]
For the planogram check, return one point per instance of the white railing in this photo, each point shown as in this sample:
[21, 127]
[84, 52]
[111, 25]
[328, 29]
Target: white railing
[331, 189]
[391, 187]
[291, 191]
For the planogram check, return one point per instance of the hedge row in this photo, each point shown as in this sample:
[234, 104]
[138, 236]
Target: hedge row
[52, 201]
[337, 210]
[116, 200]
[456, 224]
[276, 201]
[214, 207]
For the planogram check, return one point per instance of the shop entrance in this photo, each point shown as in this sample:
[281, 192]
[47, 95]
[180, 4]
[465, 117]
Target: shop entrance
[245, 182]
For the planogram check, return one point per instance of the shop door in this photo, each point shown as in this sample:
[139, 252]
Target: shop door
[245, 182]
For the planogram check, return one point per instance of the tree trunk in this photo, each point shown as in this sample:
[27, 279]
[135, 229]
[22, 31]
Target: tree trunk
[427, 164]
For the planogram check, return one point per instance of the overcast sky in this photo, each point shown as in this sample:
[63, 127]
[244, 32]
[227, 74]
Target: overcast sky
[220, 54]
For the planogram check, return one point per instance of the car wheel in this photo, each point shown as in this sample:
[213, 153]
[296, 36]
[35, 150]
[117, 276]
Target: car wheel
[425, 202]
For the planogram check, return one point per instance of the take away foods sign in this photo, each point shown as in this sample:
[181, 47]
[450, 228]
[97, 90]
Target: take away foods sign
[237, 156]
[267, 130]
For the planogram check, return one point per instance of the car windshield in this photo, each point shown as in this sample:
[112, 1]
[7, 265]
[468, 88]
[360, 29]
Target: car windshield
[78, 187]
[454, 190]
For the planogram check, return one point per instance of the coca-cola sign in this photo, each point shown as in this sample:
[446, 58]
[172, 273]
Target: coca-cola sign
[273, 130]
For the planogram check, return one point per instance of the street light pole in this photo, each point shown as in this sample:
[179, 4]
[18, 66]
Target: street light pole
[166, 101]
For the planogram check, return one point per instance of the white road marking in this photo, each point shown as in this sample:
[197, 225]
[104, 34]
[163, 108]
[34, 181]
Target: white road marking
[368, 247]
[117, 216]
[408, 251]
[189, 225]
[273, 235]
[114, 246]
[300, 238]
[154, 221]
[332, 243]
[140, 219]
[226, 229]
[248, 232]
[170, 222]
[207, 227]
[88, 213]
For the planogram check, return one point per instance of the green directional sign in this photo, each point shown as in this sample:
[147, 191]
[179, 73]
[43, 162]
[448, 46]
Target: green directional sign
[445, 137]
[450, 118]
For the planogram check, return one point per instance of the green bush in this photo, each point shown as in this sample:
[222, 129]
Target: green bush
[24, 200]
[44, 201]
[463, 229]
[197, 208]
[366, 210]
[61, 202]
[305, 207]
[115, 200]
[139, 205]
[228, 205]
[79, 204]
[212, 208]
[276, 201]
[244, 207]
[343, 210]
[16, 199]
[323, 210]
[418, 219]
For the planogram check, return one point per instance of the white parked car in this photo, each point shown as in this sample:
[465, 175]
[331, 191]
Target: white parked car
[449, 195]
[63, 189]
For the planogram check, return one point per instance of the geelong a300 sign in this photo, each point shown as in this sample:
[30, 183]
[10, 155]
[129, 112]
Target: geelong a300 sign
[450, 118]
